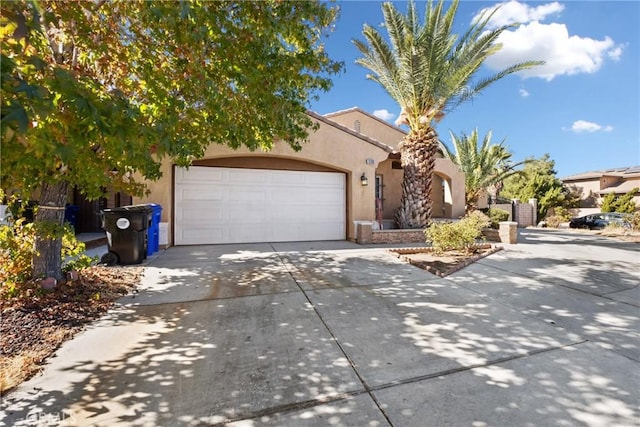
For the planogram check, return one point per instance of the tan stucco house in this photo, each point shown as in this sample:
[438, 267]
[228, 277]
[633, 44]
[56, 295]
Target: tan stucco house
[593, 186]
[348, 171]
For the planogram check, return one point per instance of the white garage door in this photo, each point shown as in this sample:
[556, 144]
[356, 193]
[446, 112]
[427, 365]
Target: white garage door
[228, 205]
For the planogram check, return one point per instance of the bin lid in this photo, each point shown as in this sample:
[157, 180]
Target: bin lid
[145, 208]
[156, 207]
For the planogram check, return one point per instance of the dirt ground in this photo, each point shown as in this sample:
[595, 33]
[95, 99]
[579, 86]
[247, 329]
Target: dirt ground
[33, 327]
[445, 263]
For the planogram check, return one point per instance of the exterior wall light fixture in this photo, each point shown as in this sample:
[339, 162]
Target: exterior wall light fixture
[363, 180]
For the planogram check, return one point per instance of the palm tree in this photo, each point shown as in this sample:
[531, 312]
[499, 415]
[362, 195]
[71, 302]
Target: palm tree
[428, 70]
[483, 165]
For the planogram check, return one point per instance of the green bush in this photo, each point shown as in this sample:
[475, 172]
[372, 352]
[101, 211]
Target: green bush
[17, 247]
[562, 213]
[608, 203]
[496, 216]
[16, 254]
[622, 204]
[461, 235]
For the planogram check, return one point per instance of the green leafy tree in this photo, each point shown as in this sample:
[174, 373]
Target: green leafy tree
[484, 164]
[428, 70]
[95, 94]
[537, 180]
[622, 204]
[608, 203]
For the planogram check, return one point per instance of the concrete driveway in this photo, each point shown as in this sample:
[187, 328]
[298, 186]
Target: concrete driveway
[543, 333]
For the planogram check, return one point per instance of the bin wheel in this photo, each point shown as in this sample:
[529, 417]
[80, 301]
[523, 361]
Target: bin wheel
[109, 258]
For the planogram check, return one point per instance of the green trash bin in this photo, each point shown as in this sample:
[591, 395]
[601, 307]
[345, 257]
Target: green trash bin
[126, 229]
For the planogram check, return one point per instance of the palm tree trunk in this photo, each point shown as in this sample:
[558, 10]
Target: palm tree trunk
[47, 261]
[418, 156]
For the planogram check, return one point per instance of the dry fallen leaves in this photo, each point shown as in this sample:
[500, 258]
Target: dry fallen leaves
[32, 329]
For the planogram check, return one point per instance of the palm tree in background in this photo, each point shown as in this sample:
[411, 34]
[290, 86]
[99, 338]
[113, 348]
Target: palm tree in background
[484, 165]
[428, 70]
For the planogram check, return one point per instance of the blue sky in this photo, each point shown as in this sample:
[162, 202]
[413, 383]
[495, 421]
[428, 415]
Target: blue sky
[582, 107]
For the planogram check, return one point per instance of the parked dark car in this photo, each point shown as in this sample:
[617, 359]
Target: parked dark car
[599, 221]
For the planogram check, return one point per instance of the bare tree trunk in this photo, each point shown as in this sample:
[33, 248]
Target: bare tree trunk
[47, 261]
[418, 156]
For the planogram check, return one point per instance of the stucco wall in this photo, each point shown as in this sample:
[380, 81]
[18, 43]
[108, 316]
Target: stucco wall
[588, 191]
[589, 188]
[447, 198]
[329, 148]
[448, 170]
[392, 191]
[370, 126]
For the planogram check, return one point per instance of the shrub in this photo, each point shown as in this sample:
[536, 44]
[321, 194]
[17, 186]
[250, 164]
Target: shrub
[496, 216]
[461, 235]
[608, 203]
[635, 221]
[17, 247]
[614, 226]
[622, 204]
[562, 213]
[625, 203]
[554, 221]
[16, 254]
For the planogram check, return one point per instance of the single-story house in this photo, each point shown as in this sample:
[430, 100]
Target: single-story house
[593, 186]
[348, 171]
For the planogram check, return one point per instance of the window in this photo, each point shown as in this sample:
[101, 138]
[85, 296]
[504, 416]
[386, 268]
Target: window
[379, 198]
[379, 187]
[356, 126]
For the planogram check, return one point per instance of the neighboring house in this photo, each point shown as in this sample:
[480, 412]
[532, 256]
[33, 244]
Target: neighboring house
[348, 169]
[593, 186]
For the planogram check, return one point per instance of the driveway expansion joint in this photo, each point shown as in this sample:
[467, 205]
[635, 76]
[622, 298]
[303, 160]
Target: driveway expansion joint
[475, 366]
[367, 389]
[289, 407]
[370, 390]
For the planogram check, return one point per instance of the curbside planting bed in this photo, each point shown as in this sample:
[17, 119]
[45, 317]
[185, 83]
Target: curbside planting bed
[446, 263]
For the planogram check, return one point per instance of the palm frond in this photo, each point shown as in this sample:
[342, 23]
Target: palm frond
[427, 68]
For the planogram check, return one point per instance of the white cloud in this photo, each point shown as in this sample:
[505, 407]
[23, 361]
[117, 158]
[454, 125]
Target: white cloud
[615, 53]
[524, 93]
[563, 53]
[580, 126]
[383, 114]
[513, 11]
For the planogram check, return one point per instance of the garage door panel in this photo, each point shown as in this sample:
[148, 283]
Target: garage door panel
[200, 235]
[291, 195]
[328, 197]
[318, 229]
[245, 194]
[201, 192]
[198, 175]
[200, 214]
[245, 176]
[245, 233]
[251, 205]
[245, 215]
[325, 180]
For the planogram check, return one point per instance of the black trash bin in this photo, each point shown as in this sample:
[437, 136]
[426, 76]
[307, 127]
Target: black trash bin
[126, 229]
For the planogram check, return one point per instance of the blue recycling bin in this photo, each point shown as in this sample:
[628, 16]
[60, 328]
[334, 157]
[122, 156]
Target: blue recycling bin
[153, 245]
[71, 215]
